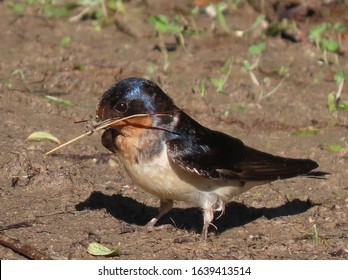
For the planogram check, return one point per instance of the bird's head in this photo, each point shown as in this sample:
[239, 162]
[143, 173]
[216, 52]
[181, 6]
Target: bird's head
[133, 96]
[132, 105]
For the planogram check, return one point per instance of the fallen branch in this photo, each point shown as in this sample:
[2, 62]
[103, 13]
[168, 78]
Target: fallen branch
[23, 249]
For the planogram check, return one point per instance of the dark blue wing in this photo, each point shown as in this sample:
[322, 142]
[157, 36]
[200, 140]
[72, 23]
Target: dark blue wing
[215, 155]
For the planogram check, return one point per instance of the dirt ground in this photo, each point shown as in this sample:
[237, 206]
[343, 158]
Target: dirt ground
[59, 204]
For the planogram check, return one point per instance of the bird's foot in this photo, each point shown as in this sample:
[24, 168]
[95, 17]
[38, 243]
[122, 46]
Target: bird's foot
[150, 226]
[165, 227]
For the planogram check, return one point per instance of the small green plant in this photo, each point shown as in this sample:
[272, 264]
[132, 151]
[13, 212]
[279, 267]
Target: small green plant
[101, 8]
[150, 69]
[249, 68]
[163, 25]
[334, 98]
[257, 23]
[18, 8]
[65, 41]
[200, 87]
[266, 83]
[92, 9]
[307, 131]
[55, 11]
[20, 73]
[165, 53]
[240, 108]
[316, 238]
[217, 11]
[60, 101]
[220, 7]
[256, 51]
[49, 8]
[225, 70]
[327, 37]
[334, 147]
[16, 75]
[219, 84]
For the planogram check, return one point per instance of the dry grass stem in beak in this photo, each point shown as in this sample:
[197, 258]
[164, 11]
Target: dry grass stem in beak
[101, 125]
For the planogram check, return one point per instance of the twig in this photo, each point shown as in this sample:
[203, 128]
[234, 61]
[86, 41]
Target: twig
[16, 225]
[21, 248]
[101, 125]
[338, 93]
[80, 15]
[262, 96]
[69, 142]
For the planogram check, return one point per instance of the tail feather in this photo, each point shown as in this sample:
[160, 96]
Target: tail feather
[317, 174]
[258, 165]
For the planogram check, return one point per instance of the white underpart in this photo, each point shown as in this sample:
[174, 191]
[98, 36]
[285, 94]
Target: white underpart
[166, 180]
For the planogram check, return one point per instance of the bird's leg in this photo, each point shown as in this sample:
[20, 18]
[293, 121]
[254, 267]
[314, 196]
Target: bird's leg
[165, 206]
[215, 203]
[208, 216]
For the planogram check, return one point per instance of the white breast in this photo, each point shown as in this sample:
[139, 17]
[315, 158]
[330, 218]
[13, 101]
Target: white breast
[166, 180]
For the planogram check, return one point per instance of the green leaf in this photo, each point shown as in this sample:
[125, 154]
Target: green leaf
[160, 18]
[54, 11]
[19, 8]
[331, 104]
[195, 10]
[240, 108]
[339, 26]
[259, 20]
[328, 45]
[257, 49]
[220, 16]
[306, 131]
[334, 147]
[339, 76]
[20, 73]
[317, 30]
[343, 105]
[42, 136]
[97, 249]
[226, 67]
[65, 41]
[162, 24]
[64, 102]
[216, 82]
[283, 70]
[246, 65]
[316, 238]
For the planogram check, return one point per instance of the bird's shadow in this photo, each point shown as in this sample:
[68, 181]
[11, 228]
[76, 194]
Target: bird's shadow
[236, 214]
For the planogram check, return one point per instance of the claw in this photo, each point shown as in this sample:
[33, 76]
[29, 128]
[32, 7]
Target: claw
[165, 206]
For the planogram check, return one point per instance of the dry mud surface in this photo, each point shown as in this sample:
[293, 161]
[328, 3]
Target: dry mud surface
[59, 204]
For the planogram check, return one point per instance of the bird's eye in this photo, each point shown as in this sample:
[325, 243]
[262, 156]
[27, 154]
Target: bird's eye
[121, 107]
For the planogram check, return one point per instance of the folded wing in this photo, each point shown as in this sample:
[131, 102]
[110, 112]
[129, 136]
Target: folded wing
[215, 155]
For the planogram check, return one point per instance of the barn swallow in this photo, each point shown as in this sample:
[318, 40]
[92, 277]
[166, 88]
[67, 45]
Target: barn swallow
[173, 157]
